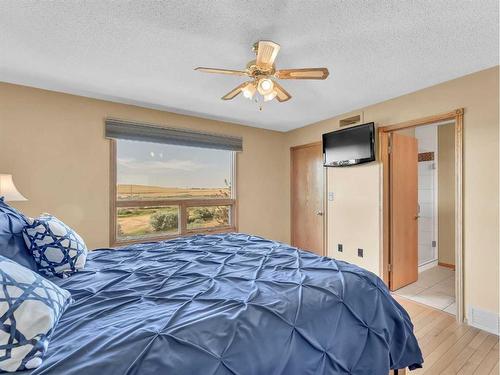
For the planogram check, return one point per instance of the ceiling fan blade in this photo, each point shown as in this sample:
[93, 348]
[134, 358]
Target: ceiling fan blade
[305, 73]
[234, 92]
[282, 94]
[266, 54]
[222, 71]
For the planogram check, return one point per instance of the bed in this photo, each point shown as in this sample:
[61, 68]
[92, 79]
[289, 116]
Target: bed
[227, 304]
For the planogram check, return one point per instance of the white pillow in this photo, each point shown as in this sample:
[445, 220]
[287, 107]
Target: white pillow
[58, 250]
[30, 309]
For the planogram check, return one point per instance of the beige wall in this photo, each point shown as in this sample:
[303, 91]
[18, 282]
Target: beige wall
[54, 145]
[354, 214]
[446, 193]
[478, 94]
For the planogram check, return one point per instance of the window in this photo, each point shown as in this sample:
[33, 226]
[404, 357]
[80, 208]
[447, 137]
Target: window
[166, 190]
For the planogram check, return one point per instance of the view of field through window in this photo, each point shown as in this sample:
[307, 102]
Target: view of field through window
[206, 217]
[147, 221]
[156, 172]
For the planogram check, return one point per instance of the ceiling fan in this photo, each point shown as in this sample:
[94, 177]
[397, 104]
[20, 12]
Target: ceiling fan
[262, 71]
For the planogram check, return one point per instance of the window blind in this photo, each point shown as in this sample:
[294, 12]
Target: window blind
[135, 131]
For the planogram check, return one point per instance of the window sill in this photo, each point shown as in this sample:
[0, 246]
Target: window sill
[191, 232]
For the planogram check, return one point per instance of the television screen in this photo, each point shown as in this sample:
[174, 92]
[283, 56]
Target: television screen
[354, 145]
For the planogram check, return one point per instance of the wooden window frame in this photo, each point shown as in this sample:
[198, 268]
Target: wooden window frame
[183, 205]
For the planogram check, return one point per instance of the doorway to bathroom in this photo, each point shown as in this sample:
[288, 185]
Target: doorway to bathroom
[422, 210]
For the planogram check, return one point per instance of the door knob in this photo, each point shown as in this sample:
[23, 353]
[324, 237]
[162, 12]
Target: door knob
[319, 213]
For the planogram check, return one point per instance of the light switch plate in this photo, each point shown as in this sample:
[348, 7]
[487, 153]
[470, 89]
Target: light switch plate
[330, 196]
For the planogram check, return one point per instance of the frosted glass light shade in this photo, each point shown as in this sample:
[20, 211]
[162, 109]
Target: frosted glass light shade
[265, 86]
[8, 190]
[249, 91]
[270, 96]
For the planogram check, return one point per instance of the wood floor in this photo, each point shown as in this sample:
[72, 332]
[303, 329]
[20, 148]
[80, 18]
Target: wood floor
[449, 347]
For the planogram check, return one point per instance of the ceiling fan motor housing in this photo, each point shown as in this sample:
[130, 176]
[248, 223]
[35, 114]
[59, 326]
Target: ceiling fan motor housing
[256, 71]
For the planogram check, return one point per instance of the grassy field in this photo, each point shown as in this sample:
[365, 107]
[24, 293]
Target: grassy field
[127, 192]
[154, 221]
[137, 221]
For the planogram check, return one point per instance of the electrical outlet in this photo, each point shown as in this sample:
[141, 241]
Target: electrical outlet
[340, 248]
[360, 253]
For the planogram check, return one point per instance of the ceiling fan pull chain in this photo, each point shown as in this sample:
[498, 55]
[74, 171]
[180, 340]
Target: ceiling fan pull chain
[259, 102]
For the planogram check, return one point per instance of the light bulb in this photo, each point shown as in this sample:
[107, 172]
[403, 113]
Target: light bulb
[270, 96]
[265, 86]
[249, 91]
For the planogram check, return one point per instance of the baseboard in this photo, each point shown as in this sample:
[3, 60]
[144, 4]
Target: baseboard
[428, 265]
[486, 320]
[452, 266]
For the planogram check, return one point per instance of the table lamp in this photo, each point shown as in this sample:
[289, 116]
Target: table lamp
[8, 190]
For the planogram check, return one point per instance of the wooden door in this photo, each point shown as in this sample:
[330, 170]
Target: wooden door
[403, 185]
[307, 197]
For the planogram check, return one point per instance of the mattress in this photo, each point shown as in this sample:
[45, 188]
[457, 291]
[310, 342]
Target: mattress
[227, 304]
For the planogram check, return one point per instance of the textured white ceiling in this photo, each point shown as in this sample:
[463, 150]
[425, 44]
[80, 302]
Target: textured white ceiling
[144, 52]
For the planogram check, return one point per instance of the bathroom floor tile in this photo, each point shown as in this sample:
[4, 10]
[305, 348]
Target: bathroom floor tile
[435, 287]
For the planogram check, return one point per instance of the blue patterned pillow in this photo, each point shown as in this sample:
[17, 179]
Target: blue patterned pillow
[29, 311]
[57, 248]
[12, 245]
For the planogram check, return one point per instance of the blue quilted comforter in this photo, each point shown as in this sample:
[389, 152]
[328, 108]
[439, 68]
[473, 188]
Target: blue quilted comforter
[227, 304]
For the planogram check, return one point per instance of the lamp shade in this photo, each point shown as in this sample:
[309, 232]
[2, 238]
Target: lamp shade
[8, 190]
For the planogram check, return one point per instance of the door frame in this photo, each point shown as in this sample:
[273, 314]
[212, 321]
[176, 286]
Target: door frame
[292, 203]
[457, 116]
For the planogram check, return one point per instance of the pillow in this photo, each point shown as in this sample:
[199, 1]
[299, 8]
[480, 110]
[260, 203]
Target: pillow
[58, 250]
[30, 309]
[12, 245]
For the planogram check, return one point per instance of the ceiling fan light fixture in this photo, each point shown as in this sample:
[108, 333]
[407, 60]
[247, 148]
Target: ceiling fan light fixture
[265, 86]
[249, 90]
[261, 73]
[270, 96]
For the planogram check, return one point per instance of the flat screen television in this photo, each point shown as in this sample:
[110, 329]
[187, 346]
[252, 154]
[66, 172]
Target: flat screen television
[350, 146]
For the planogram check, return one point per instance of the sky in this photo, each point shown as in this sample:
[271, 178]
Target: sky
[156, 164]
